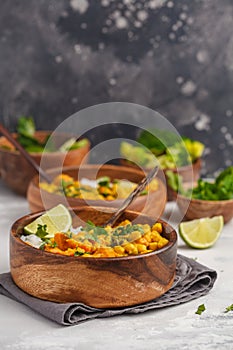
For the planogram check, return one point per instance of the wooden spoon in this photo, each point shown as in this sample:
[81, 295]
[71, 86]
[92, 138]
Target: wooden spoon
[24, 153]
[140, 187]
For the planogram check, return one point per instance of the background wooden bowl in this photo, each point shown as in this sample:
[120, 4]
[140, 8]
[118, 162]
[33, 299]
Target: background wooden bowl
[197, 208]
[152, 204]
[187, 172]
[16, 172]
[98, 282]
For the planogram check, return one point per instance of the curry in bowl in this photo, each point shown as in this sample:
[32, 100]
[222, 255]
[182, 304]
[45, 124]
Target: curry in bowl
[90, 240]
[102, 188]
[96, 281]
[96, 185]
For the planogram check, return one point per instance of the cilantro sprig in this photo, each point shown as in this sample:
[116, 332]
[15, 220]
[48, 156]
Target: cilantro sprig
[93, 232]
[41, 231]
[201, 308]
[229, 308]
[220, 189]
[126, 230]
[42, 234]
[26, 136]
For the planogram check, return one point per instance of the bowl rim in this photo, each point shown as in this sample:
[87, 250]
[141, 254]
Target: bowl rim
[48, 154]
[18, 224]
[35, 181]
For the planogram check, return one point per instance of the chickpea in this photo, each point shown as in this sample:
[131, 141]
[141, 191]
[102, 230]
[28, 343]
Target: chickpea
[141, 248]
[157, 227]
[142, 240]
[162, 242]
[110, 198]
[119, 250]
[147, 236]
[155, 236]
[131, 248]
[153, 245]
[146, 228]
[134, 236]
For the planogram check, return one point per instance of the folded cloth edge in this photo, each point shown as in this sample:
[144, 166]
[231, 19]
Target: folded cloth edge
[193, 281]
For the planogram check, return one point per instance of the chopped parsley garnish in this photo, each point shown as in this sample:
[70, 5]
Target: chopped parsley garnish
[201, 308]
[229, 308]
[104, 181]
[47, 241]
[41, 231]
[220, 189]
[126, 230]
[42, 246]
[93, 231]
[80, 252]
[26, 136]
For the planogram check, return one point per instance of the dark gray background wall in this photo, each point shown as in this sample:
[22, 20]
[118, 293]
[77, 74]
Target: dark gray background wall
[59, 56]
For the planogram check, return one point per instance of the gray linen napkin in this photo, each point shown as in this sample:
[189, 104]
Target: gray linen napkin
[192, 281]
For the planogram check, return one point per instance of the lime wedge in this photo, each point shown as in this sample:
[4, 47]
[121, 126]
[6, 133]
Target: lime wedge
[201, 233]
[57, 219]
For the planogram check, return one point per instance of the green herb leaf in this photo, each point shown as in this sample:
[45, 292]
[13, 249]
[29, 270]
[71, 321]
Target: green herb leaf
[174, 180]
[26, 126]
[78, 144]
[78, 253]
[137, 154]
[28, 142]
[229, 308]
[90, 223]
[143, 193]
[41, 231]
[220, 189]
[97, 230]
[104, 181]
[26, 130]
[42, 246]
[126, 230]
[157, 140]
[201, 308]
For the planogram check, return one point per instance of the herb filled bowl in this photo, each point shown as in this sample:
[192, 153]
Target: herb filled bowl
[114, 183]
[207, 198]
[17, 173]
[103, 280]
[179, 155]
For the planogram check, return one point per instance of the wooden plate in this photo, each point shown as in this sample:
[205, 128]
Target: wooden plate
[98, 282]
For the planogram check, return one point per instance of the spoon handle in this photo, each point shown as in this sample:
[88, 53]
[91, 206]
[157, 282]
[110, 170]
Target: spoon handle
[24, 153]
[140, 187]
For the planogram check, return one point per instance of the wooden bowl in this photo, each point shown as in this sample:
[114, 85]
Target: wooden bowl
[187, 172]
[98, 282]
[17, 173]
[152, 204]
[197, 208]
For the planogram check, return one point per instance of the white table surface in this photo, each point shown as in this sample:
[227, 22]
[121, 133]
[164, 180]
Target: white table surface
[175, 327]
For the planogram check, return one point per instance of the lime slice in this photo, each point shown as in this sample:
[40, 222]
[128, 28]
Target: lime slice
[57, 219]
[201, 233]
